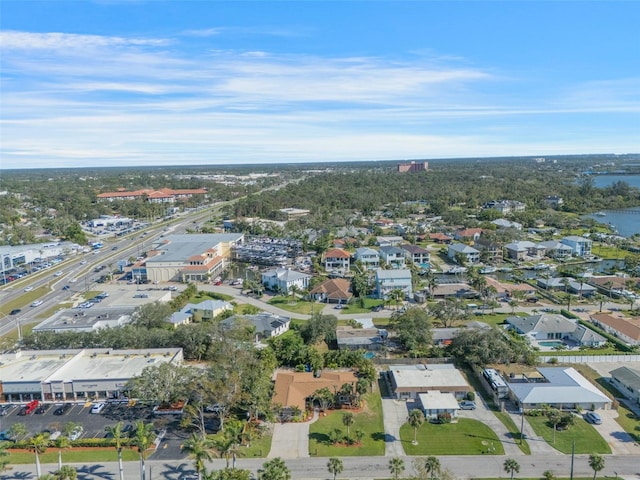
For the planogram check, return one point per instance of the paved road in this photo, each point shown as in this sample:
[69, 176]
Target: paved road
[360, 468]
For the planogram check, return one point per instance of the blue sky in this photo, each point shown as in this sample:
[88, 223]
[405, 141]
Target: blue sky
[110, 83]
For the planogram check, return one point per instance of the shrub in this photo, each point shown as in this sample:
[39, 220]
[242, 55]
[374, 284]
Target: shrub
[471, 396]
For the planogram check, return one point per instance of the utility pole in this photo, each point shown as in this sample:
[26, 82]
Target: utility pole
[573, 453]
[521, 424]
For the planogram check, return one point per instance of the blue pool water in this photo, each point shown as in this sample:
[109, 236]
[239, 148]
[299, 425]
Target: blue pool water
[369, 355]
[551, 343]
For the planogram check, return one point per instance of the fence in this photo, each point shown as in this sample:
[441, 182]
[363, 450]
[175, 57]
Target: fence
[410, 361]
[589, 358]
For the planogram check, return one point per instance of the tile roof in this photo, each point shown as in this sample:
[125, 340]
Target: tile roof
[293, 388]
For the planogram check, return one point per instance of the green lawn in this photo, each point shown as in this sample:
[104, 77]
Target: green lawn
[84, 455]
[26, 299]
[259, 447]
[630, 422]
[369, 420]
[202, 296]
[466, 437]
[513, 430]
[587, 439]
[295, 306]
[354, 306]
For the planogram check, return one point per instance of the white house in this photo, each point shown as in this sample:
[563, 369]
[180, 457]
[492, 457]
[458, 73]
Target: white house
[436, 403]
[284, 279]
[581, 246]
[470, 254]
[627, 380]
[393, 256]
[389, 280]
[336, 260]
[409, 381]
[368, 257]
[417, 255]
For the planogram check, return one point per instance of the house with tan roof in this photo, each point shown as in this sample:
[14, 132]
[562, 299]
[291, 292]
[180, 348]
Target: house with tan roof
[626, 329]
[440, 237]
[294, 389]
[336, 260]
[336, 290]
[468, 234]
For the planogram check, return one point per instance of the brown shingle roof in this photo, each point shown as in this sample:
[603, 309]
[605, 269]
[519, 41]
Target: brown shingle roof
[293, 388]
[337, 288]
[627, 326]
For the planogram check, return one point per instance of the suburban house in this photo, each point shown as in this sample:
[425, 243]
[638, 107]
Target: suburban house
[389, 241]
[468, 234]
[417, 255]
[336, 260]
[188, 258]
[505, 206]
[435, 403]
[522, 249]
[490, 251]
[369, 339]
[284, 280]
[390, 280]
[336, 290]
[504, 223]
[506, 290]
[440, 237]
[555, 327]
[409, 381]
[469, 254]
[554, 201]
[626, 329]
[558, 387]
[392, 256]
[566, 283]
[627, 380]
[295, 389]
[266, 325]
[200, 312]
[557, 250]
[451, 290]
[581, 246]
[368, 257]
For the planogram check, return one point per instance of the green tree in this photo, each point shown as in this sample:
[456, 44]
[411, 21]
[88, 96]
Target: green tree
[596, 462]
[325, 398]
[18, 430]
[335, 466]
[199, 450]
[511, 467]
[414, 330]
[229, 474]
[143, 438]
[396, 467]
[66, 472]
[274, 469]
[347, 420]
[116, 432]
[554, 416]
[152, 315]
[38, 445]
[432, 466]
[62, 443]
[415, 419]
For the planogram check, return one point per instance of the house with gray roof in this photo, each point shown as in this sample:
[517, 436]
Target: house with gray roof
[284, 279]
[549, 326]
[390, 280]
[200, 312]
[523, 249]
[368, 257]
[370, 339]
[627, 381]
[266, 325]
[392, 256]
[417, 255]
[558, 387]
[557, 250]
[470, 254]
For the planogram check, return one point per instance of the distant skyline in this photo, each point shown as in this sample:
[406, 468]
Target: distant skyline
[142, 83]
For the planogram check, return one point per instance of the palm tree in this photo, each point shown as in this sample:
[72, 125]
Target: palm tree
[62, 443]
[38, 444]
[199, 450]
[335, 466]
[432, 466]
[4, 459]
[274, 469]
[596, 462]
[143, 439]
[511, 467]
[347, 421]
[396, 467]
[66, 473]
[116, 432]
[416, 419]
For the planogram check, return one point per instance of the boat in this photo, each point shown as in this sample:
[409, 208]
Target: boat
[457, 270]
[600, 214]
[488, 269]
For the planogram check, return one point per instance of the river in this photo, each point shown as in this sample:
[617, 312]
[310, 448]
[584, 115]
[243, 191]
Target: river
[627, 221]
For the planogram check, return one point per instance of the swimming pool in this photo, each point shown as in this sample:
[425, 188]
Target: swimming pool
[551, 343]
[369, 355]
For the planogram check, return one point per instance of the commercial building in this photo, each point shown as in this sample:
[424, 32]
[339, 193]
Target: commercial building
[164, 195]
[86, 319]
[15, 256]
[72, 375]
[188, 258]
[413, 167]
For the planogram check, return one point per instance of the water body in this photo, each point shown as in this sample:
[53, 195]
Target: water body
[626, 222]
[602, 181]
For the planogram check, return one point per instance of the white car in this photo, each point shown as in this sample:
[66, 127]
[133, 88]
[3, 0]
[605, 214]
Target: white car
[76, 433]
[37, 303]
[58, 273]
[73, 280]
[98, 407]
[28, 289]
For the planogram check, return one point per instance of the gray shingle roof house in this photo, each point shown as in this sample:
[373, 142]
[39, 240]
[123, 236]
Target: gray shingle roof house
[627, 380]
[283, 279]
[266, 325]
[472, 255]
[560, 388]
[390, 280]
[555, 327]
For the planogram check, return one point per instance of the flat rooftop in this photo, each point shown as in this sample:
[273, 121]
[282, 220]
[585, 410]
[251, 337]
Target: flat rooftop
[32, 366]
[421, 376]
[178, 248]
[86, 319]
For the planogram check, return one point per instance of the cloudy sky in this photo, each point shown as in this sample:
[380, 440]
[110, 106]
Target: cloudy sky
[109, 82]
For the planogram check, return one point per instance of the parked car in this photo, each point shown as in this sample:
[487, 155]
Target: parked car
[62, 409]
[76, 433]
[5, 435]
[467, 405]
[42, 408]
[593, 417]
[339, 306]
[98, 407]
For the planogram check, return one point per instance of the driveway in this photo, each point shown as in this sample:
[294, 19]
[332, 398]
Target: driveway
[394, 413]
[486, 416]
[291, 440]
[538, 445]
[620, 441]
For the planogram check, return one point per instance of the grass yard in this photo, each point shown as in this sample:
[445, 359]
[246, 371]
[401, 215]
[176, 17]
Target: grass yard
[587, 439]
[630, 422]
[369, 420]
[466, 437]
[355, 307]
[259, 447]
[513, 430]
[295, 306]
[74, 455]
[26, 299]
[202, 296]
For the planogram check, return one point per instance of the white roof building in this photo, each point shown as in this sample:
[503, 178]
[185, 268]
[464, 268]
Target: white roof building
[435, 403]
[408, 381]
